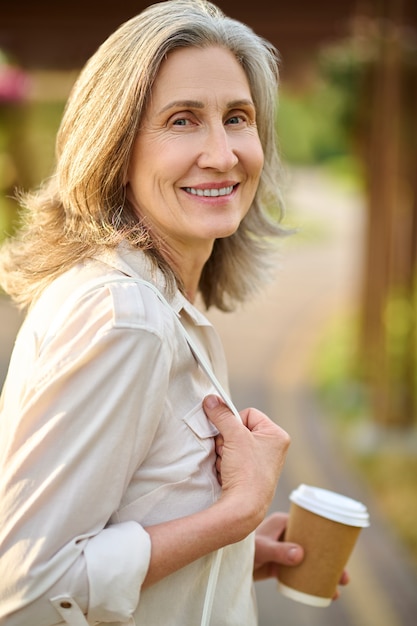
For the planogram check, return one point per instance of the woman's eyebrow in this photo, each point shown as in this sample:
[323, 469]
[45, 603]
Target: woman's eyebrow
[183, 104]
[235, 104]
[197, 104]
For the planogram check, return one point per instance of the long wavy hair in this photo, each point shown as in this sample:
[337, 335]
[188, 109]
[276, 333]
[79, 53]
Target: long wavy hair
[82, 208]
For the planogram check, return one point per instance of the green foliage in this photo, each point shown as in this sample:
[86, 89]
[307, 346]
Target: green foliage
[399, 322]
[27, 143]
[335, 377]
[309, 126]
[319, 124]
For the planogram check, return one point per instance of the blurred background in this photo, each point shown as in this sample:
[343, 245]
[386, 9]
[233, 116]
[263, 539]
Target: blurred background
[330, 349]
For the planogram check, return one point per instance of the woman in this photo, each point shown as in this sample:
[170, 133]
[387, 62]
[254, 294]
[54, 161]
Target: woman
[129, 491]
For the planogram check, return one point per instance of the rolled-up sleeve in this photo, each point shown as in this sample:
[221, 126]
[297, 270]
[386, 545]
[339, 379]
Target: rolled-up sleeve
[73, 434]
[126, 547]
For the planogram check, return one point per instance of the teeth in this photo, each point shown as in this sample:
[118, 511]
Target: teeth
[211, 193]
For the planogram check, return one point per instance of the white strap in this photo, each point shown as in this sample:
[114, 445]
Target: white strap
[211, 587]
[69, 610]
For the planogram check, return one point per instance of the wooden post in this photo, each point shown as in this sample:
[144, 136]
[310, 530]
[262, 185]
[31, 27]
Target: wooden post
[387, 349]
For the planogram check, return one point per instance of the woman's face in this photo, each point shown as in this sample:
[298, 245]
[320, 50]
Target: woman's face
[197, 159]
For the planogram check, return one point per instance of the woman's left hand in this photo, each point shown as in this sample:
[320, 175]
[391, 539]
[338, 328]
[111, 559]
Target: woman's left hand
[271, 551]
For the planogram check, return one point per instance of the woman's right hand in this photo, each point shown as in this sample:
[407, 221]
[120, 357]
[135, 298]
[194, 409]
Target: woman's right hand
[250, 458]
[251, 454]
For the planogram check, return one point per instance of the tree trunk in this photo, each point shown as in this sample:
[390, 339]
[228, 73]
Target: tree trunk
[387, 349]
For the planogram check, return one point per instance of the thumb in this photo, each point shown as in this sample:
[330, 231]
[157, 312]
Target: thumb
[220, 414]
[286, 553]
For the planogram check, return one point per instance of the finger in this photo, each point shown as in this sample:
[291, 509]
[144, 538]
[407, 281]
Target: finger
[220, 415]
[268, 570]
[268, 560]
[219, 439]
[219, 443]
[274, 526]
[345, 578]
[280, 552]
[286, 553]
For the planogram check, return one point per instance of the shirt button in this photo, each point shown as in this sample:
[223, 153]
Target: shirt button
[65, 605]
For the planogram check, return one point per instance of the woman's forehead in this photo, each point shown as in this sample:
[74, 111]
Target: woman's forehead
[188, 71]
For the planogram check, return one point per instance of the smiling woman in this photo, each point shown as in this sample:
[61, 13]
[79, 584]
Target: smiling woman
[129, 492]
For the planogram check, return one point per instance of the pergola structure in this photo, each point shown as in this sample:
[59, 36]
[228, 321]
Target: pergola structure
[62, 35]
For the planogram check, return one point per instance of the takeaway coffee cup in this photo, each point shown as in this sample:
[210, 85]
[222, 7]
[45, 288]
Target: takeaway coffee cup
[327, 525]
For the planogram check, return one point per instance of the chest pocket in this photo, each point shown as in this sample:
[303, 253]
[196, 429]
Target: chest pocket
[200, 426]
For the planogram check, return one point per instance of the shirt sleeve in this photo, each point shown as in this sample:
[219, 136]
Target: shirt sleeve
[86, 420]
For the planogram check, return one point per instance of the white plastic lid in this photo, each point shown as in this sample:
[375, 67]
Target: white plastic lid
[331, 505]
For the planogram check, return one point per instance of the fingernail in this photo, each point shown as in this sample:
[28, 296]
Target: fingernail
[211, 401]
[293, 554]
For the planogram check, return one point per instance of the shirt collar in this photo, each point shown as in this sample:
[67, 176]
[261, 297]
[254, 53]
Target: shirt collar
[137, 264]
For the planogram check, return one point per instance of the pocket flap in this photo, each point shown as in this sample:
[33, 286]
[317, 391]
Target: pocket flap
[199, 424]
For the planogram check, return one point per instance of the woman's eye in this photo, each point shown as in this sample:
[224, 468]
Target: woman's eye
[180, 122]
[235, 119]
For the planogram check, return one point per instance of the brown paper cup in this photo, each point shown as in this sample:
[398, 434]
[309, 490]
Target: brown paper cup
[327, 525]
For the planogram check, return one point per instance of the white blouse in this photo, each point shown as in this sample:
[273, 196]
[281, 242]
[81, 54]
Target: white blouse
[102, 433]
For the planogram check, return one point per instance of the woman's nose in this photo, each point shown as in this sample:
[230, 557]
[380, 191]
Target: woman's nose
[217, 151]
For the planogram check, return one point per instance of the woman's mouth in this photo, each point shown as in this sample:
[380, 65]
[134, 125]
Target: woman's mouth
[210, 193]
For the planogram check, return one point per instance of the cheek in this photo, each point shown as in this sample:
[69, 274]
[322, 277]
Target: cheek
[255, 159]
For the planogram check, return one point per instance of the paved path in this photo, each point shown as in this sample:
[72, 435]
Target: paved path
[10, 321]
[269, 346]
